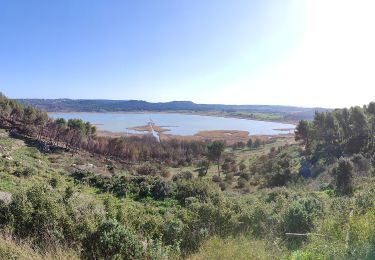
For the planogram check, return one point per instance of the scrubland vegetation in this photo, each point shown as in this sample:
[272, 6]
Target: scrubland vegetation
[67, 194]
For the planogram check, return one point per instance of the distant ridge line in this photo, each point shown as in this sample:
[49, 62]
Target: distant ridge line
[105, 105]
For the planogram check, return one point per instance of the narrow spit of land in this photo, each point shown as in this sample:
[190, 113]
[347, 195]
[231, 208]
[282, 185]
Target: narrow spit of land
[230, 136]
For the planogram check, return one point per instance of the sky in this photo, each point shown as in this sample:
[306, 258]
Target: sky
[277, 52]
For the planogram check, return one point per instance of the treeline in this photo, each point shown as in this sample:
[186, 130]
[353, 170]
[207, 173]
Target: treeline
[76, 134]
[339, 144]
[340, 133]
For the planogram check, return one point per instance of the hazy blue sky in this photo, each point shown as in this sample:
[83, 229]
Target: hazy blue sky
[309, 53]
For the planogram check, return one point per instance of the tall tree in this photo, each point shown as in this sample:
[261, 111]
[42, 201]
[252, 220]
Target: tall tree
[359, 130]
[215, 149]
[302, 133]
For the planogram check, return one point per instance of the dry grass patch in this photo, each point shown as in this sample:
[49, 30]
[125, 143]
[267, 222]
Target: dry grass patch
[12, 249]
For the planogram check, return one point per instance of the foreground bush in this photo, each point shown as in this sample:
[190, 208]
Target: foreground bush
[47, 217]
[196, 188]
[112, 241]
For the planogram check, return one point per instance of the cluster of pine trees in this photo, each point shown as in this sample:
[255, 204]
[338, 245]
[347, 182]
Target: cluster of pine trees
[76, 134]
[344, 138]
[340, 133]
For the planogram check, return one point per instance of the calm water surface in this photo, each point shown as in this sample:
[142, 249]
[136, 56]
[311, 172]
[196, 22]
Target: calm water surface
[179, 124]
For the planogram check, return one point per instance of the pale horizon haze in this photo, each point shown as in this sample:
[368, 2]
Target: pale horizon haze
[317, 53]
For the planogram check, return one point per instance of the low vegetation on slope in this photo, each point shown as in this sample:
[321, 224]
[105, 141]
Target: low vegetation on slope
[277, 199]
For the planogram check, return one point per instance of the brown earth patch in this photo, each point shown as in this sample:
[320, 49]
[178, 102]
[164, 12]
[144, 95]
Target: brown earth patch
[116, 134]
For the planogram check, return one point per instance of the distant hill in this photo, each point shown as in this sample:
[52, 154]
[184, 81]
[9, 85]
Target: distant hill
[99, 105]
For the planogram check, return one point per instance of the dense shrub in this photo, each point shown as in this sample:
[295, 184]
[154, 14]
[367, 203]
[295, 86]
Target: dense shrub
[202, 190]
[122, 187]
[245, 175]
[201, 172]
[161, 189]
[137, 187]
[277, 168]
[208, 219]
[147, 169]
[253, 219]
[36, 213]
[364, 199]
[25, 171]
[112, 241]
[203, 166]
[241, 183]
[44, 216]
[223, 185]
[53, 182]
[172, 230]
[242, 167]
[361, 165]
[343, 174]
[185, 175]
[165, 173]
[216, 178]
[229, 177]
[299, 217]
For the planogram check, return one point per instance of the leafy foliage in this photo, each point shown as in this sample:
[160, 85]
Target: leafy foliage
[112, 241]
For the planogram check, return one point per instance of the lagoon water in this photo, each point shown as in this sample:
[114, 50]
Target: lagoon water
[179, 124]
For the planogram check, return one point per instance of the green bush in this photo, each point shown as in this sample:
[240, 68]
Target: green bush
[241, 183]
[229, 177]
[112, 241]
[245, 175]
[216, 178]
[207, 219]
[343, 174]
[161, 189]
[36, 213]
[254, 219]
[54, 182]
[147, 169]
[186, 175]
[200, 189]
[172, 230]
[361, 164]
[299, 217]
[223, 185]
[25, 172]
[47, 217]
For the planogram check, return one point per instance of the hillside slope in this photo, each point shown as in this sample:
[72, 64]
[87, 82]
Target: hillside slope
[68, 193]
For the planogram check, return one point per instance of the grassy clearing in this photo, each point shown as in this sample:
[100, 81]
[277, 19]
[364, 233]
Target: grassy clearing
[41, 168]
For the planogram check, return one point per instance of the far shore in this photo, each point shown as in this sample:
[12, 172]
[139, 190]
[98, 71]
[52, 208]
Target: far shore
[199, 113]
